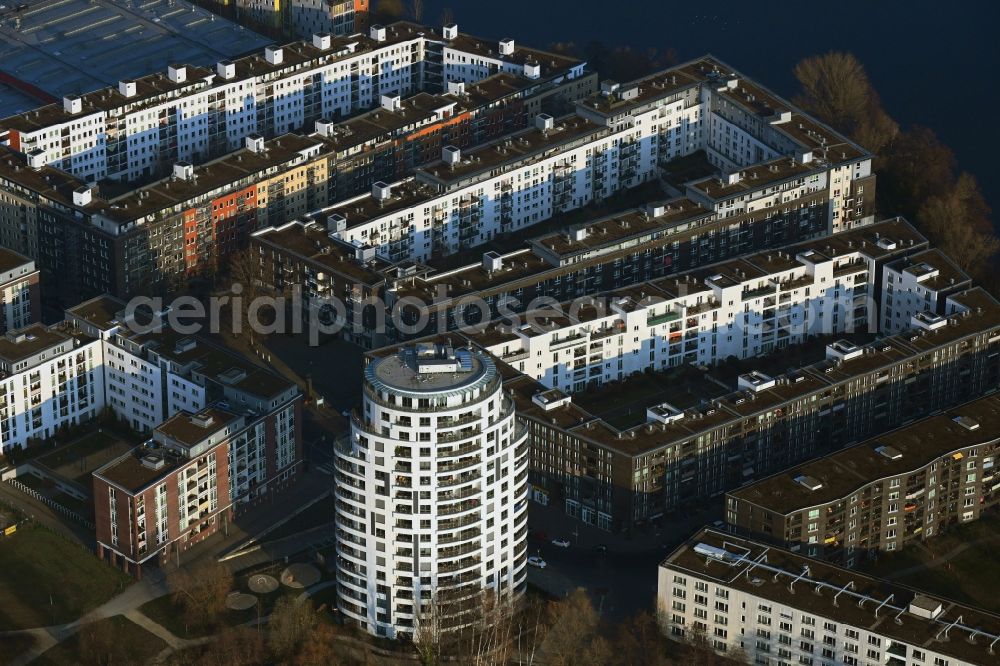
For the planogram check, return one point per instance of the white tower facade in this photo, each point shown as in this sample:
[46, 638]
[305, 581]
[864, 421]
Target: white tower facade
[431, 493]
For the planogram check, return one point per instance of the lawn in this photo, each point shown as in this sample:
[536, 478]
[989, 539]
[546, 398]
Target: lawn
[115, 641]
[50, 580]
[962, 578]
[164, 611]
[12, 646]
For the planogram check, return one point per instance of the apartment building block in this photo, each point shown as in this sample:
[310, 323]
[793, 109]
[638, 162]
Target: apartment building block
[20, 299]
[772, 606]
[918, 283]
[891, 490]
[695, 444]
[749, 133]
[192, 114]
[198, 471]
[50, 377]
[431, 490]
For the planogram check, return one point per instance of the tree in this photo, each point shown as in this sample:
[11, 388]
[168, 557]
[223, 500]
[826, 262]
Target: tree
[288, 627]
[201, 591]
[320, 649]
[246, 285]
[954, 222]
[573, 622]
[417, 10]
[836, 89]
[913, 168]
[236, 646]
[447, 16]
[387, 11]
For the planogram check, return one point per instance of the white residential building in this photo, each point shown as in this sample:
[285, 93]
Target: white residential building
[780, 608]
[190, 114]
[469, 198]
[918, 284]
[431, 493]
[746, 131]
[742, 308]
[49, 378]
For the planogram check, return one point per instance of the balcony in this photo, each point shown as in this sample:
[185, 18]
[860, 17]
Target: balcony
[656, 320]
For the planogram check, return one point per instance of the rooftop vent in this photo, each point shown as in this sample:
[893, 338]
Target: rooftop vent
[808, 482]
[451, 155]
[127, 88]
[226, 69]
[177, 73]
[381, 191]
[202, 419]
[336, 223]
[492, 262]
[184, 171]
[72, 104]
[232, 376]
[82, 196]
[255, 143]
[544, 122]
[185, 345]
[391, 102]
[322, 41]
[274, 55]
[925, 607]
[888, 452]
[152, 461]
[967, 422]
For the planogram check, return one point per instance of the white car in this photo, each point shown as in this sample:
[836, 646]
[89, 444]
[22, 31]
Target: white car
[562, 543]
[536, 561]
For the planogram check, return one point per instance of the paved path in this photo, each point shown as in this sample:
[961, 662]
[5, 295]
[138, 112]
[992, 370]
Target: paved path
[134, 596]
[941, 559]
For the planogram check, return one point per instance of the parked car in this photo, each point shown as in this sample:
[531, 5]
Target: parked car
[562, 543]
[536, 561]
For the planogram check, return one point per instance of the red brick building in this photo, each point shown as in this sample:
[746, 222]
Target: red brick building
[195, 475]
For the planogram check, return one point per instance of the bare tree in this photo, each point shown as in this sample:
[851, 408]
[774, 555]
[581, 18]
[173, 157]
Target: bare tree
[289, 626]
[954, 222]
[447, 16]
[492, 637]
[417, 10]
[428, 631]
[836, 89]
[573, 622]
[236, 646]
[246, 282]
[201, 591]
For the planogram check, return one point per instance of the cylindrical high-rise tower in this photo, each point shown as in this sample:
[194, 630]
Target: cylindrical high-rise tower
[431, 493]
